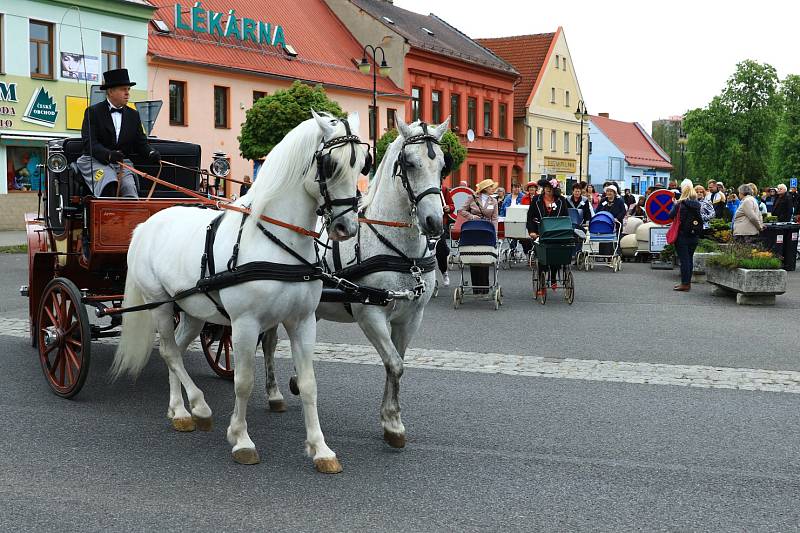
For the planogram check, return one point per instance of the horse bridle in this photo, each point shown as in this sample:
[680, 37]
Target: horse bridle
[326, 167]
[401, 168]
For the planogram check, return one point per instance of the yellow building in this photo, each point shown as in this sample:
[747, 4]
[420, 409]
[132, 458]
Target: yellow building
[545, 103]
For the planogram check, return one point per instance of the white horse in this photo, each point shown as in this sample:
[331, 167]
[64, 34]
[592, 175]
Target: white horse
[315, 167]
[391, 328]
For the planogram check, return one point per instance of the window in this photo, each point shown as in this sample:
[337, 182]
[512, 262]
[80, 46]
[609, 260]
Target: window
[487, 172]
[556, 61]
[416, 103]
[552, 140]
[111, 51]
[1, 44]
[390, 125]
[221, 100]
[552, 95]
[177, 103]
[566, 142]
[436, 107]
[455, 108]
[503, 121]
[503, 175]
[564, 64]
[473, 175]
[28, 174]
[578, 143]
[472, 118]
[258, 95]
[487, 117]
[566, 98]
[373, 127]
[41, 49]
[539, 138]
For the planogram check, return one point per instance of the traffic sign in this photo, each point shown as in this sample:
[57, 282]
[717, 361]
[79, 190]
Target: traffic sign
[461, 195]
[793, 182]
[658, 205]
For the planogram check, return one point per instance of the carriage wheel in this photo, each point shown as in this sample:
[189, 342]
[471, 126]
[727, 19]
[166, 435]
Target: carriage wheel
[569, 287]
[457, 297]
[63, 337]
[217, 347]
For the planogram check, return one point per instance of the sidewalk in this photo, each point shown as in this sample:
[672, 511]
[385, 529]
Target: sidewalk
[12, 238]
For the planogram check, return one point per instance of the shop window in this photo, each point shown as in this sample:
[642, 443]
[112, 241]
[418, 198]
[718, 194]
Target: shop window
[472, 118]
[487, 117]
[24, 168]
[539, 138]
[177, 103]
[473, 175]
[488, 172]
[41, 50]
[221, 107]
[552, 140]
[390, 114]
[455, 112]
[566, 142]
[503, 112]
[436, 107]
[112, 51]
[416, 103]
[258, 95]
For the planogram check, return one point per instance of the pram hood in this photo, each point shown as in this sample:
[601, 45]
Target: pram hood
[556, 229]
[477, 233]
[602, 222]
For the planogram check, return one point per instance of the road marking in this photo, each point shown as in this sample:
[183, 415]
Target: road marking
[707, 377]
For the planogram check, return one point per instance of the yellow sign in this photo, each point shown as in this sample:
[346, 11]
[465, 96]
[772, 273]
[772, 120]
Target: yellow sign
[98, 175]
[560, 165]
[76, 105]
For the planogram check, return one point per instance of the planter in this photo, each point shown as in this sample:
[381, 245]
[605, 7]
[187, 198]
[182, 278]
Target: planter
[751, 287]
[699, 265]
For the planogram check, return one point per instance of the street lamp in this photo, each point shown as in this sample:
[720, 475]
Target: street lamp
[384, 70]
[581, 114]
[682, 141]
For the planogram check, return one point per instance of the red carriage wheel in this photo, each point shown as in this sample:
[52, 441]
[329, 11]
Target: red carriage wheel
[218, 348]
[63, 337]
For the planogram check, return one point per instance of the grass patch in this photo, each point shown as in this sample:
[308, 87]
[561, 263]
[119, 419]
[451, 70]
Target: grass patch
[15, 249]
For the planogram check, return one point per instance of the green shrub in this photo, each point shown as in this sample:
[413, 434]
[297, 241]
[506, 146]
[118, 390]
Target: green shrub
[668, 253]
[705, 246]
[743, 256]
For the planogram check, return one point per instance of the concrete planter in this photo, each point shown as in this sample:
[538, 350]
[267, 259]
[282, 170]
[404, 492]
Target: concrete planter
[752, 287]
[699, 266]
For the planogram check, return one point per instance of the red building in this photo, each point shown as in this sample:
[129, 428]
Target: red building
[445, 73]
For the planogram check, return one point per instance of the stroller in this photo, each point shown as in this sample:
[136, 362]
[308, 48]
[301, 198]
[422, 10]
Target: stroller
[478, 246]
[554, 248]
[602, 243]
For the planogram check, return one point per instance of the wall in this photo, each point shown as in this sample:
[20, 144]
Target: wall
[542, 113]
[603, 150]
[200, 105]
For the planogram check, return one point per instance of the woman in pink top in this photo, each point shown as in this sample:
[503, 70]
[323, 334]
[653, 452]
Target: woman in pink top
[593, 196]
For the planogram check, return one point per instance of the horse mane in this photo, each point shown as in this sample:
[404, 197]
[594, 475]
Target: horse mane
[284, 167]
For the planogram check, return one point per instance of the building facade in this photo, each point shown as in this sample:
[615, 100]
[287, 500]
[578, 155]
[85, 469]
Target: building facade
[210, 62]
[51, 52]
[445, 73]
[546, 130]
[624, 152]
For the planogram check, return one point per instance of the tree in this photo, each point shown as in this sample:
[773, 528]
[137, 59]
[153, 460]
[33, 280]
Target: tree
[786, 148]
[275, 115]
[449, 142]
[731, 138]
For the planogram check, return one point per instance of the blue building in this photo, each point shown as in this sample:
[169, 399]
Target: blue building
[625, 153]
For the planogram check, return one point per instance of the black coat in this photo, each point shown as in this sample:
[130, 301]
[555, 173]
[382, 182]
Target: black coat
[782, 208]
[618, 209]
[101, 138]
[537, 211]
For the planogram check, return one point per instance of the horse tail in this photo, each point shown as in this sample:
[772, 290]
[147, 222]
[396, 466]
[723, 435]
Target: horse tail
[138, 333]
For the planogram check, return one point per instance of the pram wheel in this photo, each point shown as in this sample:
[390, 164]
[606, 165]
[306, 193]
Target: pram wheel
[458, 297]
[539, 285]
[498, 298]
[435, 291]
[569, 286]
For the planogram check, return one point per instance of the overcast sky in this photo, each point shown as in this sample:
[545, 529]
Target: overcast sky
[642, 60]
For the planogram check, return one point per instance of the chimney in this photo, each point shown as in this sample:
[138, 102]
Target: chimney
[604, 115]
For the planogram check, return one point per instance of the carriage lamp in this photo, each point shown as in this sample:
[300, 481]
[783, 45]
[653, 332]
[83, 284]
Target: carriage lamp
[56, 162]
[220, 165]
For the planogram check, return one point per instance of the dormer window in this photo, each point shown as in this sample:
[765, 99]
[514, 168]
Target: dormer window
[426, 30]
[388, 20]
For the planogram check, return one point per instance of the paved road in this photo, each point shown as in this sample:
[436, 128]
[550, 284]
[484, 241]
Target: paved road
[485, 452]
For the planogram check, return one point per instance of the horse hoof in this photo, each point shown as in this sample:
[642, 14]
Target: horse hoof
[204, 424]
[246, 456]
[395, 440]
[328, 466]
[277, 406]
[183, 424]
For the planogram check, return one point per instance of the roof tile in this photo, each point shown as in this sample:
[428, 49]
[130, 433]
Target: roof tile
[325, 48]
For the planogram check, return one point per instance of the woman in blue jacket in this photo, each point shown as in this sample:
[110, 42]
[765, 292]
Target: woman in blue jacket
[514, 198]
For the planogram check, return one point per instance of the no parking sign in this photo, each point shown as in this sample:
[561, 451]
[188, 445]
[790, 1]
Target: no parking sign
[658, 205]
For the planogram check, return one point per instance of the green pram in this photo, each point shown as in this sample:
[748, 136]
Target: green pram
[554, 248]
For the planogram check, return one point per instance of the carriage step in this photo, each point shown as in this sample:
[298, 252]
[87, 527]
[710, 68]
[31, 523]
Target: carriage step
[23, 290]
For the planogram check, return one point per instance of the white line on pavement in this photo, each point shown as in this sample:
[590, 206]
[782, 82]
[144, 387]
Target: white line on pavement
[709, 377]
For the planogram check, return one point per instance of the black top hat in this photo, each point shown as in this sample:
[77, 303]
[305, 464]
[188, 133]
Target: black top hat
[116, 78]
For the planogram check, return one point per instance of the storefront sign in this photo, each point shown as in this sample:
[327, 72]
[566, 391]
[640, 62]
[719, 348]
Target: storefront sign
[200, 20]
[649, 172]
[8, 92]
[41, 109]
[559, 166]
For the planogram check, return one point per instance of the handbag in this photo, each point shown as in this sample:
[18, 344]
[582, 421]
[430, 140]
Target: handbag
[672, 232]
